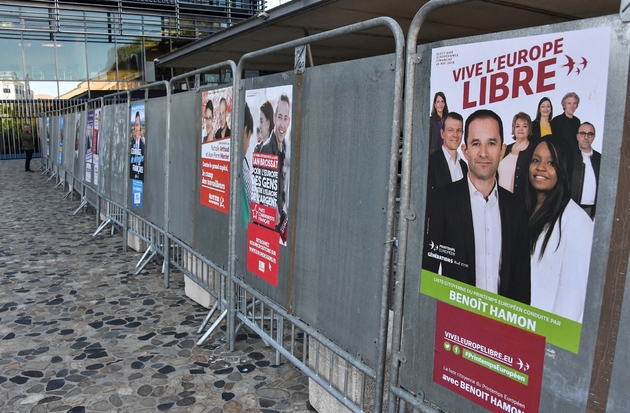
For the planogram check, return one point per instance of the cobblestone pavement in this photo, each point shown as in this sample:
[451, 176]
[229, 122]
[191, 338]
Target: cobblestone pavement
[80, 333]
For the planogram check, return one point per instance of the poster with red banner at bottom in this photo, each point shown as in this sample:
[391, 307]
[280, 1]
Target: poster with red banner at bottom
[495, 365]
[263, 252]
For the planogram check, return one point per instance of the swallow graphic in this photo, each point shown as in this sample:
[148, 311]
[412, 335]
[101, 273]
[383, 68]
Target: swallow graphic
[570, 64]
[432, 245]
[520, 364]
[584, 63]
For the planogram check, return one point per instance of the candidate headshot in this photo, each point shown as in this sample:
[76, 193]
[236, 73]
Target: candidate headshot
[476, 232]
[446, 165]
[208, 118]
[224, 130]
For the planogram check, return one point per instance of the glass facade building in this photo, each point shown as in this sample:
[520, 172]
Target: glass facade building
[78, 48]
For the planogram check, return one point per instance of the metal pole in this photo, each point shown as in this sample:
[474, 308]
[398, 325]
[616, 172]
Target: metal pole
[405, 213]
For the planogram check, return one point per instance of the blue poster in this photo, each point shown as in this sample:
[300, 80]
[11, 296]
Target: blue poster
[136, 192]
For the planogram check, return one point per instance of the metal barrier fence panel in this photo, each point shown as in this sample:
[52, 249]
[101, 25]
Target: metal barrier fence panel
[212, 229]
[269, 85]
[78, 119]
[344, 161]
[566, 374]
[54, 141]
[105, 152]
[119, 124]
[184, 166]
[156, 148]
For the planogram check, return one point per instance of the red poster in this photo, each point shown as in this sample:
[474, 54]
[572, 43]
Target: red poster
[263, 215]
[263, 251]
[215, 174]
[493, 364]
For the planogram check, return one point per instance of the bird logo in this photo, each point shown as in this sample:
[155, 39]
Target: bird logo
[522, 366]
[571, 65]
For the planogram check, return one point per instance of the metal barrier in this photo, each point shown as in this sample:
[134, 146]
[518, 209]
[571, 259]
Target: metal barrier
[428, 372]
[298, 281]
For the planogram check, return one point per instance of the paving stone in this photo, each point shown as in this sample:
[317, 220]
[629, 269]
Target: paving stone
[81, 333]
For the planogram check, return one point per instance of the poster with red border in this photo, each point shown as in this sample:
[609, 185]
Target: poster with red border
[266, 177]
[493, 364]
[216, 108]
[263, 252]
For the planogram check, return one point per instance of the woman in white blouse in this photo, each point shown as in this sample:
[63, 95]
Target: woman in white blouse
[561, 235]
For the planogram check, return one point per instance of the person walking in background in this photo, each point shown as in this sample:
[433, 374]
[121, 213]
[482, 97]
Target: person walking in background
[27, 145]
[541, 126]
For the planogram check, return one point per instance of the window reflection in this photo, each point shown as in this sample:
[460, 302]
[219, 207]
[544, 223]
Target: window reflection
[71, 57]
[130, 60]
[44, 90]
[101, 58]
[11, 62]
[39, 53]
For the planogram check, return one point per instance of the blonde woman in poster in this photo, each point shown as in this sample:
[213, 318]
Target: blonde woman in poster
[514, 166]
[560, 232]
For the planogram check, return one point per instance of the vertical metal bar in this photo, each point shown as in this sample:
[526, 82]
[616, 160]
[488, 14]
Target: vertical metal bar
[405, 191]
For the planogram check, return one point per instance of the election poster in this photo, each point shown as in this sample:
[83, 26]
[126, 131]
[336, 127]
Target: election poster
[77, 133]
[97, 119]
[138, 148]
[89, 133]
[216, 112]
[60, 146]
[47, 136]
[475, 358]
[517, 128]
[266, 177]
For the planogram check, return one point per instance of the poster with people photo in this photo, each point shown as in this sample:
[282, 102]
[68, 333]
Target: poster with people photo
[89, 133]
[77, 133]
[515, 140]
[266, 176]
[60, 146]
[97, 119]
[138, 152]
[216, 113]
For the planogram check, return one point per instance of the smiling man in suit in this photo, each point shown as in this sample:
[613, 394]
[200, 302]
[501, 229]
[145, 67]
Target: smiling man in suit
[446, 166]
[476, 231]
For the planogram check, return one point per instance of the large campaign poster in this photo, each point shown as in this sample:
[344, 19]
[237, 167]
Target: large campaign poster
[138, 148]
[216, 112]
[266, 177]
[509, 226]
[60, 146]
[89, 132]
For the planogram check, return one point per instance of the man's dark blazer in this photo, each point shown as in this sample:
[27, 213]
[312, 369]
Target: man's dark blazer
[439, 174]
[577, 182]
[449, 223]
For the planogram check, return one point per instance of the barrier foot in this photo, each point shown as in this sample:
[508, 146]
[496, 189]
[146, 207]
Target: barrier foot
[103, 225]
[58, 183]
[67, 194]
[52, 176]
[46, 171]
[145, 263]
[212, 328]
[147, 252]
[205, 320]
[83, 204]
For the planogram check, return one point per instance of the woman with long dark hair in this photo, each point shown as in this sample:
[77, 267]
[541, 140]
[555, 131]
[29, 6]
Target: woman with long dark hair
[541, 126]
[560, 234]
[439, 110]
[265, 121]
